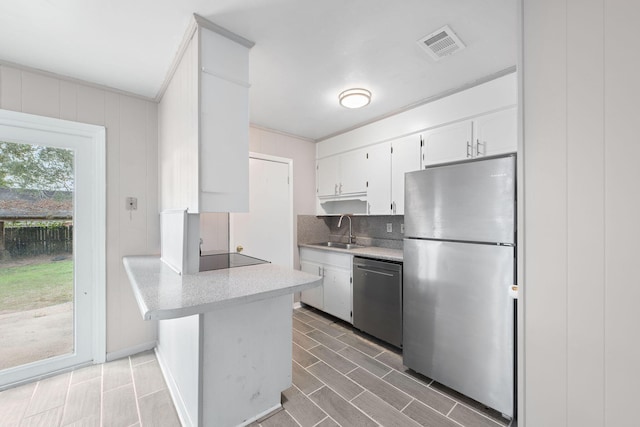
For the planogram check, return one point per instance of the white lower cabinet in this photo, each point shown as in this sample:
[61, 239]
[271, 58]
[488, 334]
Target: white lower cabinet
[337, 291]
[313, 296]
[335, 295]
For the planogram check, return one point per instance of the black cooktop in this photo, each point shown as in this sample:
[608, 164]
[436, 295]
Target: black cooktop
[227, 260]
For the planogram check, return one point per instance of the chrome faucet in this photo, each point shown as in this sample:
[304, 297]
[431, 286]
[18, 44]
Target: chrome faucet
[351, 236]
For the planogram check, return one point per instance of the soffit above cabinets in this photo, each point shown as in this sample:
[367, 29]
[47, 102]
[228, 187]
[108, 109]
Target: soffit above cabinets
[306, 52]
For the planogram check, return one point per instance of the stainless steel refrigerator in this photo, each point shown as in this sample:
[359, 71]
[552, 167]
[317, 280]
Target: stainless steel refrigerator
[459, 267]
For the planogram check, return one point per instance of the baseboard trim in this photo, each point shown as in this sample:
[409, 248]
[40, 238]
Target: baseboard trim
[114, 355]
[261, 415]
[178, 401]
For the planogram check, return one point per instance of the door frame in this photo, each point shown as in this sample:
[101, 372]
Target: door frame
[276, 159]
[94, 152]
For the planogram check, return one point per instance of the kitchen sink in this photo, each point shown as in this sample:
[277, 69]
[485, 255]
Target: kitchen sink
[339, 245]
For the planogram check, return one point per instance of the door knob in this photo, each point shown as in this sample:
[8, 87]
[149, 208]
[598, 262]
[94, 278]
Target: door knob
[239, 248]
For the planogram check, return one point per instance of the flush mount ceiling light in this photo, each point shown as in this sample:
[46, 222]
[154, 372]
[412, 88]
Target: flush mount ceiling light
[355, 98]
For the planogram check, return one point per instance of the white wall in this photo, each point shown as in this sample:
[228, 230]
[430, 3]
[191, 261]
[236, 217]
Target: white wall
[581, 212]
[303, 153]
[131, 125]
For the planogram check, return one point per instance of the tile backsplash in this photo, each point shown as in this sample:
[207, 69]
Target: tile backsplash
[368, 230]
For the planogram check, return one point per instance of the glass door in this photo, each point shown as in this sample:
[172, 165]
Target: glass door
[50, 286]
[37, 286]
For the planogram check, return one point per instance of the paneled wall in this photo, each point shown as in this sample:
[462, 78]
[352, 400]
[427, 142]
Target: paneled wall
[178, 135]
[132, 170]
[581, 212]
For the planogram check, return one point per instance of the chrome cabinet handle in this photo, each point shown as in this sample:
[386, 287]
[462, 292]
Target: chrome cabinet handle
[340, 189]
[335, 190]
[469, 153]
[478, 145]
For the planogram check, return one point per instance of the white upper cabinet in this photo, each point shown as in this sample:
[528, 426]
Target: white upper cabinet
[448, 143]
[353, 177]
[405, 157]
[487, 135]
[378, 168]
[224, 124]
[224, 145]
[479, 121]
[328, 176]
[496, 133]
[342, 176]
[204, 124]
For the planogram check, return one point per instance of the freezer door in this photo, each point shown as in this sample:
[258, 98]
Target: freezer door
[467, 201]
[458, 317]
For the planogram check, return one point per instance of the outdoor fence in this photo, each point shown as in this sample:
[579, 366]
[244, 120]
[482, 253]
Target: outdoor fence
[31, 241]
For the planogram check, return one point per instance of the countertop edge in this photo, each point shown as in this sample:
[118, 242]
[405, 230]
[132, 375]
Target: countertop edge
[142, 305]
[367, 251]
[177, 312]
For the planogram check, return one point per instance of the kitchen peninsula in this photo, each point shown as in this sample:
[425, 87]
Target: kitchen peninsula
[224, 336]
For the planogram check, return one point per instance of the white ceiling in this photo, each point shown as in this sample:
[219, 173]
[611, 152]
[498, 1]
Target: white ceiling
[306, 51]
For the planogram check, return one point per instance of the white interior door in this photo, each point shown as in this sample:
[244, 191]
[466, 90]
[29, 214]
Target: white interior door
[266, 231]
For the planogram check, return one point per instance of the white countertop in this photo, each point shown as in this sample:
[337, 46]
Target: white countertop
[164, 294]
[367, 251]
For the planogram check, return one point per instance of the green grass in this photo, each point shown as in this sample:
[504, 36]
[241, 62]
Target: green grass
[35, 286]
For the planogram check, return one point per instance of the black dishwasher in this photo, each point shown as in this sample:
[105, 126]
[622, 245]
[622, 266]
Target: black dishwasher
[377, 299]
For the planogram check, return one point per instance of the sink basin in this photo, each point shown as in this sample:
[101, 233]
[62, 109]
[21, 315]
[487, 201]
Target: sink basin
[339, 245]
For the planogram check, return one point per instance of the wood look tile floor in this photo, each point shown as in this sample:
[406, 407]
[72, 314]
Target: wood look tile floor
[123, 393]
[341, 377]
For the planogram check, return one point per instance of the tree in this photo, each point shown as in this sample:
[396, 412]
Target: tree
[35, 167]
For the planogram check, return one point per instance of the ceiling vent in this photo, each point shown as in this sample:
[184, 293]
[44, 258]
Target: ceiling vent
[441, 43]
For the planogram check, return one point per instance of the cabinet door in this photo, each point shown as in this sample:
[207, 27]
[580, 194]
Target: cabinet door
[337, 292]
[224, 145]
[328, 176]
[378, 167]
[405, 157]
[496, 133]
[353, 174]
[448, 143]
[313, 296]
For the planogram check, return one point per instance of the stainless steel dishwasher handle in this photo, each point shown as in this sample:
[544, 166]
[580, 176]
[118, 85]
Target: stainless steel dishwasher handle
[383, 272]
